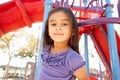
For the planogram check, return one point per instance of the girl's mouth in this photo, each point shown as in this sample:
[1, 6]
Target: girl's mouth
[58, 34]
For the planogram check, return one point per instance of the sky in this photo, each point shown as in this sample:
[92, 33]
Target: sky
[91, 47]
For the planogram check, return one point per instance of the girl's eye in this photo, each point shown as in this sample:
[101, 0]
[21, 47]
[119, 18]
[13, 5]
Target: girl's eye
[64, 24]
[53, 24]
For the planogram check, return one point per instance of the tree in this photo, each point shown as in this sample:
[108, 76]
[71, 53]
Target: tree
[5, 46]
[30, 46]
[19, 43]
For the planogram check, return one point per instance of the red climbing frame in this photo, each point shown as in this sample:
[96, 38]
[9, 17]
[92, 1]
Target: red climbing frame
[17, 14]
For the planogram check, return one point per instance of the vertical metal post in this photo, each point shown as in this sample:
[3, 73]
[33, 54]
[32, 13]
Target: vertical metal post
[86, 52]
[48, 4]
[112, 45]
[86, 45]
[85, 3]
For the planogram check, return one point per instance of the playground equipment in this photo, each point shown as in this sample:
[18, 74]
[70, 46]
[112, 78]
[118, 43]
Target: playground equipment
[94, 19]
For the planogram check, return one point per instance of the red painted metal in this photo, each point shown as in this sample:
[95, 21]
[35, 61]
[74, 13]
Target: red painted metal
[93, 78]
[23, 11]
[16, 14]
[117, 38]
[102, 44]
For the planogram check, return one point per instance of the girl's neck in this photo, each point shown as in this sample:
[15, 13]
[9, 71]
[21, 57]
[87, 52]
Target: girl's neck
[57, 48]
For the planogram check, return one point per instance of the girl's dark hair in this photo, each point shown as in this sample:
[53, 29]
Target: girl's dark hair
[73, 42]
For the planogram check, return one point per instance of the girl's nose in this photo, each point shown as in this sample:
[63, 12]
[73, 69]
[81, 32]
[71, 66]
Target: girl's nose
[58, 27]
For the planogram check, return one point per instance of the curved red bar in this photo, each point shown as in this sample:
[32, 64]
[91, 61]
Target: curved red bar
[13, 17]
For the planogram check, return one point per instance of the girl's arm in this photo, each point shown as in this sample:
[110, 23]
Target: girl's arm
[81, 73]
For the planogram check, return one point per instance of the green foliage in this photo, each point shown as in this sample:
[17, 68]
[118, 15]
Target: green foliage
[29, 49]
[19, 43]
[5, 41]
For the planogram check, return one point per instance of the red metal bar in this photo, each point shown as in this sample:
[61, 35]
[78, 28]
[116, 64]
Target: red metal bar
[23, 12]
[101, 52]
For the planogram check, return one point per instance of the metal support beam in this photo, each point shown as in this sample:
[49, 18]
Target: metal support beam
[48, 5]
[86, 52]
[23, 12]
[112, 45]
[101, 54]
[85, 3]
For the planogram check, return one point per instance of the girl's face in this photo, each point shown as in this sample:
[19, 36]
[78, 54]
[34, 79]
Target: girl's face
[59, 27]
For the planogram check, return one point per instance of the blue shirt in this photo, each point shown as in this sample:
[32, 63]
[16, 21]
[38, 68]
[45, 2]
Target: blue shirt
[60, 66]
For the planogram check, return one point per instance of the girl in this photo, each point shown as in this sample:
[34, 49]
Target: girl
[60, 59]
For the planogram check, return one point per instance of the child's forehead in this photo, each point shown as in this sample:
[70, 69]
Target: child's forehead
[59, 15]
[62, 20]
[63, 13]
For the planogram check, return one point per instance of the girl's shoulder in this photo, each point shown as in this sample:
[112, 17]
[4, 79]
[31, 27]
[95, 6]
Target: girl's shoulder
[73, 56]
[72, 53]
[74, 60]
